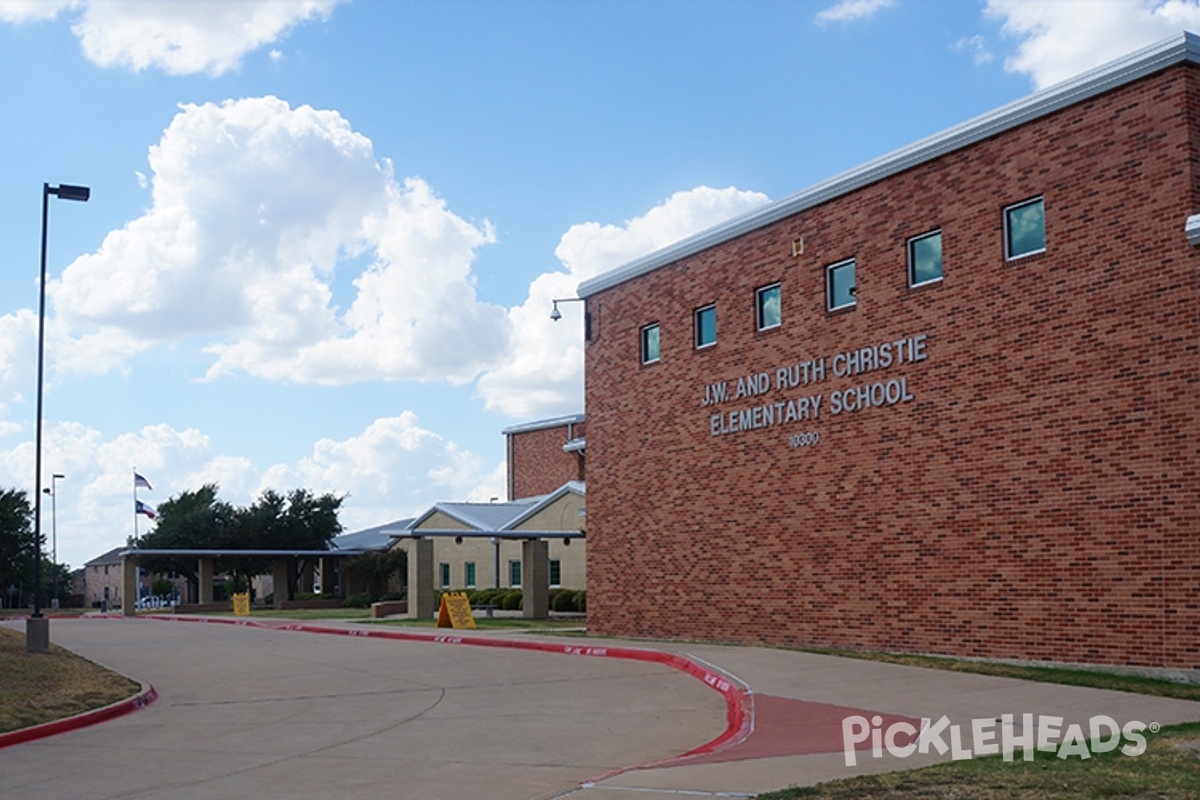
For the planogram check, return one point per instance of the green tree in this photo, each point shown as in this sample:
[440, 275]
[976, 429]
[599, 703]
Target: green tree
[193, 520]
[378, 568]
[16, 544]
[198, 520]
[300, 520]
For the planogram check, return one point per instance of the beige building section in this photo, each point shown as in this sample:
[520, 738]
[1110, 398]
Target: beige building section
[497, 563]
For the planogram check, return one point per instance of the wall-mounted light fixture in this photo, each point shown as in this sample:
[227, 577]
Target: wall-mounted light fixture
[555, 314]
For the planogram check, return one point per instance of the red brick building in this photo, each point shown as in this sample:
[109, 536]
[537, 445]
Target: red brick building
[947, 402]
[544, 455]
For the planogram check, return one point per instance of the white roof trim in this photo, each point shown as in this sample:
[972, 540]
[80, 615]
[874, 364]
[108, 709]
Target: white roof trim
[537, 425]
[1182, 48]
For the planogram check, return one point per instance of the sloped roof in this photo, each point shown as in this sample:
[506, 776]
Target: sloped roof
[480, 516]
[571, 487]
[1179, 49]
[111, 557]
[375, 538]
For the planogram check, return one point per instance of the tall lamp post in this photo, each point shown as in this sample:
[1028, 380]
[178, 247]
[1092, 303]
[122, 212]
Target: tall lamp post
[37, 627]
[52, 490]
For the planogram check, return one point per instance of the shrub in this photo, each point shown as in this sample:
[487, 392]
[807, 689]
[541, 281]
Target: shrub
[392, 597]
[510, 600]
[361, 600]
[581, 600]
[562, 601]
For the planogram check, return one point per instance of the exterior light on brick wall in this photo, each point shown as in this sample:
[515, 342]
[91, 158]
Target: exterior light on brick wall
[555, 314]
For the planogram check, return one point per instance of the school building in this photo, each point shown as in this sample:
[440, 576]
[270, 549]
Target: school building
[945, 402]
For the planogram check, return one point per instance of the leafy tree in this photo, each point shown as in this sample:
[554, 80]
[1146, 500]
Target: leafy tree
[16, 541]
[193, 520]
[298, 521]
[198, 520]
[379, 567]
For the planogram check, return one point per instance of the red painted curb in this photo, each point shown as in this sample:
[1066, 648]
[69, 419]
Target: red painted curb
[143, 698]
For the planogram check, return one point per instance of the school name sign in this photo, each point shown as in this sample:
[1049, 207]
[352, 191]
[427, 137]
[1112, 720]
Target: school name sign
[808, 406]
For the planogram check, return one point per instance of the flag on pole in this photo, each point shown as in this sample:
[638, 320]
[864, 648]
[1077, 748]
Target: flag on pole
[139, 481]
[142, 508]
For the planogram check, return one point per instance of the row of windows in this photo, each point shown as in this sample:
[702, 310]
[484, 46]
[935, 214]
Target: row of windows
[514, 574]
[1024, 235]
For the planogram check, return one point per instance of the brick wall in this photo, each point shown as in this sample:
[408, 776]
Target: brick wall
[1039, 495]
[537, 463]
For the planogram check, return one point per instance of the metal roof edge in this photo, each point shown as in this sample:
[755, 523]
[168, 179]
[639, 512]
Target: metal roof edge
[539, 424]
[1181, 48]
[570, 487]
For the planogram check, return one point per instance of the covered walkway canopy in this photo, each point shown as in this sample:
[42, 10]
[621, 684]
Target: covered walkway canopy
[282, 560]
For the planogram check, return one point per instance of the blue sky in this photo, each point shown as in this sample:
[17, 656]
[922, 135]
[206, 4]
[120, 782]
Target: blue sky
[323, 236]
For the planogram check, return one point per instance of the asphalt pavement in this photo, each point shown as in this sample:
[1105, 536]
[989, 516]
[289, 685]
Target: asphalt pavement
[314, 710]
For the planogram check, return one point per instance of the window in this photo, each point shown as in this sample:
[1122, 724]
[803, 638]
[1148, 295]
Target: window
[925, 258]
[444, 569]
[650, 335]
[766, 307]
[706, 326]
[839, 285]
[514, 574]
[469, 575]
[555, 572]
[1024, 229]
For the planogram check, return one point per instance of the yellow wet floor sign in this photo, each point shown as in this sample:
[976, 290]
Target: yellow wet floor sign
[455, 611]
[241, 604]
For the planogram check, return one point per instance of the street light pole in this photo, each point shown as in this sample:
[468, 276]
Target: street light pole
[52, 490]
[37, 627]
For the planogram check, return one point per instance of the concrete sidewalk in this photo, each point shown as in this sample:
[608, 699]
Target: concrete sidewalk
[280, 713]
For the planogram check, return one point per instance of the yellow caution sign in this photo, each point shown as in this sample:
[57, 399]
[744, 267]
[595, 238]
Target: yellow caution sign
[455, 611]
[241, 604]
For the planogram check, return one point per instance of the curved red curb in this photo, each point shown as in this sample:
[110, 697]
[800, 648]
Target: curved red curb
[737, 700]
[143, 698]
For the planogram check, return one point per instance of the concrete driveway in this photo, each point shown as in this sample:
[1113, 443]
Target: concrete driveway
[261, 713]
[258, 713]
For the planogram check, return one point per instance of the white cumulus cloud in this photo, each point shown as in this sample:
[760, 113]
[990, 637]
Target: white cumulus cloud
[1060, 40]
[179, 38]
[256, 207]
[543, 373]
[851, 10]
[394, 468]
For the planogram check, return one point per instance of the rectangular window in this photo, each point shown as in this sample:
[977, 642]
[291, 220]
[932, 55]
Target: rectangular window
[469, 574]
[650, 335]
[444, 569]
[1024, 229]
[514, 574]
[706, 326]
[555, 572]
[925, 258]
[766, 307]
[840, 289]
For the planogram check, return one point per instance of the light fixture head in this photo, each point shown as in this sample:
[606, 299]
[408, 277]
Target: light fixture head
[555, 314]
[68, 192]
